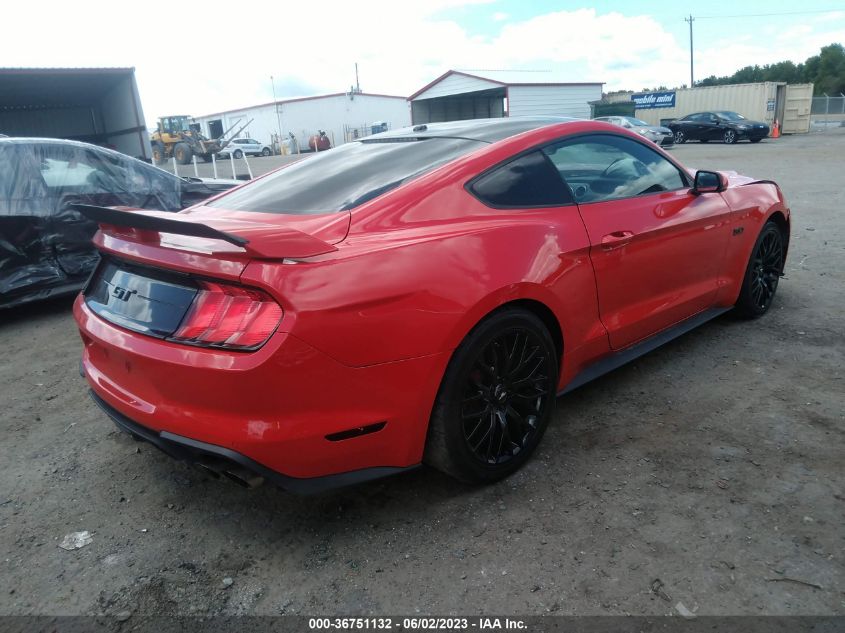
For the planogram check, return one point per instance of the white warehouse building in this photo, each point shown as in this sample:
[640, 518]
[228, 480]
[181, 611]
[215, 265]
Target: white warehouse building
[457, 95]
[342, 116]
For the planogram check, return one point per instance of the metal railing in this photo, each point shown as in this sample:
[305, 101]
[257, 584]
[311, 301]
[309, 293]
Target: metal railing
[827, 112]
[354, 132]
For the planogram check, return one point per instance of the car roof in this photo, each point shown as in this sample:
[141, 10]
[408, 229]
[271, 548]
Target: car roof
[485, 130]
[34, 140]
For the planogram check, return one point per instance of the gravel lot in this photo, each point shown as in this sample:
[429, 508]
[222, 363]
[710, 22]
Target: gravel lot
[708, 473]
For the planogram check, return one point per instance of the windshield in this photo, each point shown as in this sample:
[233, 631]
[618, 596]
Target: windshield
[343, 178]
[635, 121]
[730, 116]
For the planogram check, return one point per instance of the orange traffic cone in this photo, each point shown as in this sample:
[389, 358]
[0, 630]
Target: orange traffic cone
[776, 130]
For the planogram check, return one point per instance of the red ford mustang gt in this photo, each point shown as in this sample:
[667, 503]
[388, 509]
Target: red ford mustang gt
[421, 295]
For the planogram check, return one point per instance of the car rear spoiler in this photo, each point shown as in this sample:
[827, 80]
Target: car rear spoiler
[263, 241]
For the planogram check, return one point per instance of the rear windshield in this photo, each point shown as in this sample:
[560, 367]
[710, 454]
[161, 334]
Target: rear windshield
[345, 177]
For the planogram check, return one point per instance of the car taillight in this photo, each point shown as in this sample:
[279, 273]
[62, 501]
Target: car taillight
[229, 316]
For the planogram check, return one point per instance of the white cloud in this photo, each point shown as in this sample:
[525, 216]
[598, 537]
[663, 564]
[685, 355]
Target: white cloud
[499, 16]
[188, 61]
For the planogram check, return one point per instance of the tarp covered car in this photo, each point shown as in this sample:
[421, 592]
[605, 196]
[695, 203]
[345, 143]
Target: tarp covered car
[45, 245]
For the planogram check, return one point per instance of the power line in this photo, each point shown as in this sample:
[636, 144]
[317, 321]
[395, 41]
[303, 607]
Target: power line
[502, 70]
[692, 19]
[764, 15]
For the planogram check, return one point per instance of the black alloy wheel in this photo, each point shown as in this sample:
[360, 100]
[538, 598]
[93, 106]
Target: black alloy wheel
[763, 273]
[496, 398]
[680, 137]
[504, 396]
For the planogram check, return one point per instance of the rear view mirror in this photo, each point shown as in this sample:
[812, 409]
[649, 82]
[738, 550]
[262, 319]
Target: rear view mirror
[707, 182]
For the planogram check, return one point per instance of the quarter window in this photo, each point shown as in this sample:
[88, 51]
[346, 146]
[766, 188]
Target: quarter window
[606, 167]
[528, 181]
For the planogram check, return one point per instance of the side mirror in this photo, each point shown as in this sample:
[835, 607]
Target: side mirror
[707, 182]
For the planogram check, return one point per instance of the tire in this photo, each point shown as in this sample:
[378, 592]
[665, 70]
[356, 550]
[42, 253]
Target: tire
[755, 140]
[183, 153]
[765, 266]
[729, 137]
[158, 153]
[238, 153]
[265, 151]
[507, 366]
[206, 158]
[680, 137]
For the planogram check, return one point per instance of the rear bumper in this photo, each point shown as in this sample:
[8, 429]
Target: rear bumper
[289, 409]
[221, 461]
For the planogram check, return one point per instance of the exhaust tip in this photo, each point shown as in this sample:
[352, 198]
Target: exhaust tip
[243, 477]
[208, 470]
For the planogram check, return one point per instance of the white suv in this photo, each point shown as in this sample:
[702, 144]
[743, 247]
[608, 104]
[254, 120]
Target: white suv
[240, 146]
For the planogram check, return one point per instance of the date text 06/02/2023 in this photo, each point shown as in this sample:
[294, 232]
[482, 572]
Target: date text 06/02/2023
[417, 624]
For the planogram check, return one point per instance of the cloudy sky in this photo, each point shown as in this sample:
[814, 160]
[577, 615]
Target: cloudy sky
[201, 57]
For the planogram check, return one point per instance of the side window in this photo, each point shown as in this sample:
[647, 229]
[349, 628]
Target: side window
[528, 181]
[606, 167]
[77, 169]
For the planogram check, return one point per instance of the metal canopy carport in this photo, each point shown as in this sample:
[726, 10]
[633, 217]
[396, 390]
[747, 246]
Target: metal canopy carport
[457, 95]
[96, 105]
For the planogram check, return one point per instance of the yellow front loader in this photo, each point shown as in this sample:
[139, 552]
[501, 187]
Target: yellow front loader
[178, 137]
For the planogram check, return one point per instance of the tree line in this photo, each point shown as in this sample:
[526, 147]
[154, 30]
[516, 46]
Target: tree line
[826, 71]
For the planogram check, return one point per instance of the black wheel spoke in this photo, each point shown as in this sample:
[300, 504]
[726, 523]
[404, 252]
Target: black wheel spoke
[513, 352]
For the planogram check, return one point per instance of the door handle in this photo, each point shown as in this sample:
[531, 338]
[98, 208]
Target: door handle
[616, 239]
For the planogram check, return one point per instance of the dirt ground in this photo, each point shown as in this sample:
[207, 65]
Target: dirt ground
[710, 473]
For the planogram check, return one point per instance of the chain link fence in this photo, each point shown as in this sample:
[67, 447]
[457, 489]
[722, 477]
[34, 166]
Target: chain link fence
[827, 112]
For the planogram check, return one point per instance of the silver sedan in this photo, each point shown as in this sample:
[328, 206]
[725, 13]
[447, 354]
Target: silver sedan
[656, 134]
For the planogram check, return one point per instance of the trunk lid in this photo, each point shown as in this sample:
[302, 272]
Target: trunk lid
[153, 261]
[256, 235]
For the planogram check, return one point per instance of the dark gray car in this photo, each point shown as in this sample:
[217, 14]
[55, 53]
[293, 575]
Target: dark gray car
[720, 125]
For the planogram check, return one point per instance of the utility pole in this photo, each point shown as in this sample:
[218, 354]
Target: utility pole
[357, 83]
[278, 117]
[690, 19]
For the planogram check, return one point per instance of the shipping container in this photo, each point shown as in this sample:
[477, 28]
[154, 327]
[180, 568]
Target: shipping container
[766, 101]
